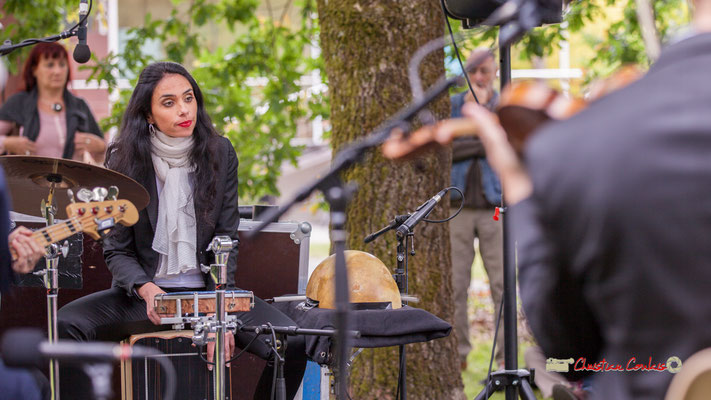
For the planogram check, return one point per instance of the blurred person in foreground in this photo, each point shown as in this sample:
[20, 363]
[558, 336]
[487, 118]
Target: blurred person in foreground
[610, 215]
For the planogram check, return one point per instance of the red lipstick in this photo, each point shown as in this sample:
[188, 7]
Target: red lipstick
[186, 124]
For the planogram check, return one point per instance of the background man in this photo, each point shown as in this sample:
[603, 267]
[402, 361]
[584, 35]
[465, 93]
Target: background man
[482, 193]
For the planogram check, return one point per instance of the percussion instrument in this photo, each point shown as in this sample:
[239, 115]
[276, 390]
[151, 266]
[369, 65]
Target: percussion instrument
[369, 279]
[173, 307]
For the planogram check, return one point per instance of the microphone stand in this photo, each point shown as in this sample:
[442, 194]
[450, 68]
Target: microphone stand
[401, 278]
[7, 47]
[511, 378]
[221, 247]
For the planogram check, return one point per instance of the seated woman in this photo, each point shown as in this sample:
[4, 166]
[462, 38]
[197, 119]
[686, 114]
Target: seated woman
[52, 122]
[167, 143]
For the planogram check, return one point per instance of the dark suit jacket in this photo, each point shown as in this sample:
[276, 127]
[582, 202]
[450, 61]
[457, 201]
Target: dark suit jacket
[614, 244]
[128, 251]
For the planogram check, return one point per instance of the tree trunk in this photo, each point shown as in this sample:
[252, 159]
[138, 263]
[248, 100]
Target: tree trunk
[367, 45]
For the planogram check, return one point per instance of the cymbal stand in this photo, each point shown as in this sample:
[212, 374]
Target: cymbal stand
[50, 277]
[221, 246]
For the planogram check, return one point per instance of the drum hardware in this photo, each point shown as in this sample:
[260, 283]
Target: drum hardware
[28, 178]
[95, 226]
[221, 247]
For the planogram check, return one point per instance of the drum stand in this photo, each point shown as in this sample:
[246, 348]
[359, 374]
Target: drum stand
[221, 246]
[50, 276]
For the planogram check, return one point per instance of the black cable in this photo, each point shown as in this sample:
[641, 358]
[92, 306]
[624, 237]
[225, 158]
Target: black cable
[277, 360]
[456, 51]
[439, 221]
[493, 347]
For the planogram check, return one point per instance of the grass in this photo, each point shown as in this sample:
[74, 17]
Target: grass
[482, 319]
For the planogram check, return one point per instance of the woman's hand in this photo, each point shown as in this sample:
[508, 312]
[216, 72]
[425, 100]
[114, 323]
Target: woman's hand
[229, 348]
[147, 292]
[89, 142]
[27, 249]
[19, 145]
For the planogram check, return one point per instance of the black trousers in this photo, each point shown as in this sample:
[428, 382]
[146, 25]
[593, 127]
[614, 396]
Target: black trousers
[111, 315]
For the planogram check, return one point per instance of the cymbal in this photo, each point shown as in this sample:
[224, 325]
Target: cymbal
[30, 177]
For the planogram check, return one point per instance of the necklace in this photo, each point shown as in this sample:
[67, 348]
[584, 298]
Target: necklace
[57, 106]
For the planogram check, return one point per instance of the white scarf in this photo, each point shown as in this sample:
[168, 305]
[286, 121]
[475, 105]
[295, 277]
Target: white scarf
[176, 232]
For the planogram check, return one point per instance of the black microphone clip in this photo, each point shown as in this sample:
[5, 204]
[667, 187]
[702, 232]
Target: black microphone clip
[420, 213]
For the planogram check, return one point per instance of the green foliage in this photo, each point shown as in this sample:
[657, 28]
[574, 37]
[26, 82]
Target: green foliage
[621, 42]
[35, 19]
[251, 81]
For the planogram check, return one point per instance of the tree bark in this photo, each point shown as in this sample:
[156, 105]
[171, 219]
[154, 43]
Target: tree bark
[367, 45]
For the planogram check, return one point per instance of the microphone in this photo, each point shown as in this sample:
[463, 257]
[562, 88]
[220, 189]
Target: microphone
[82, 53]
[420, 213]
[29, 348]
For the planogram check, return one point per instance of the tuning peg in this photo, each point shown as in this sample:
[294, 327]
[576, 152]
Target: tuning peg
[99, 193]
[113, 193]
[85, 195]
[70, 194]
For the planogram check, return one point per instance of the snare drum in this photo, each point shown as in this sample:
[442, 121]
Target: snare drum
[185, 304]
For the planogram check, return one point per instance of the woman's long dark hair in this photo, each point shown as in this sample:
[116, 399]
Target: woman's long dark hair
[130, 154]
